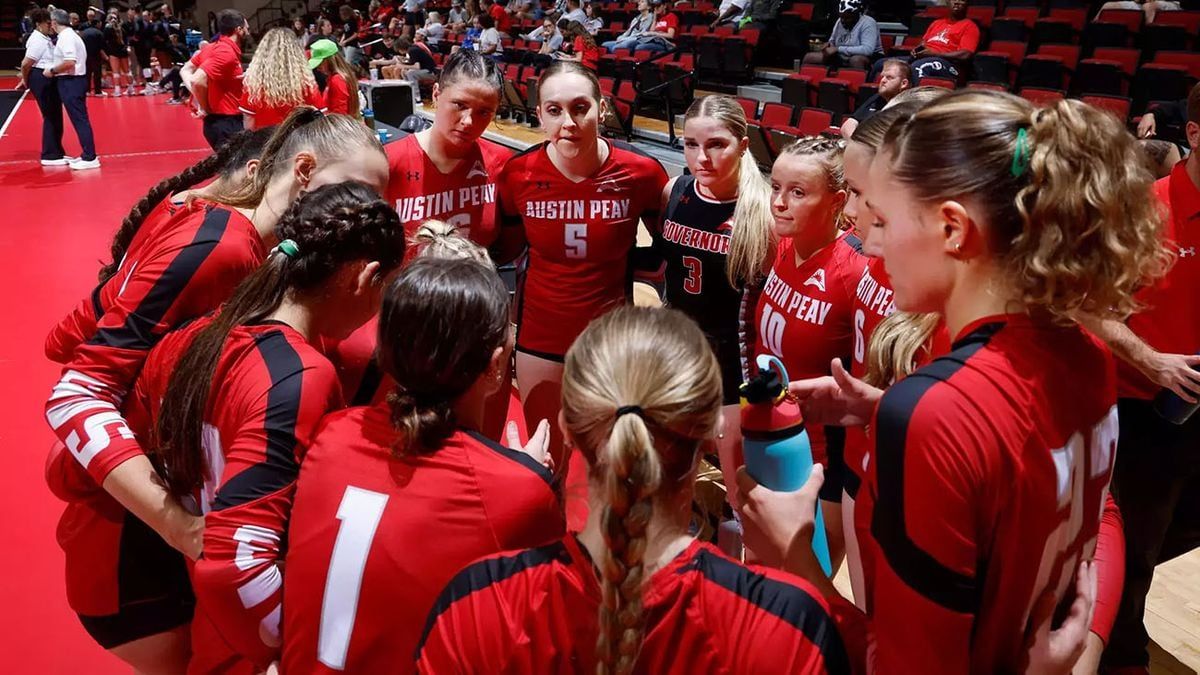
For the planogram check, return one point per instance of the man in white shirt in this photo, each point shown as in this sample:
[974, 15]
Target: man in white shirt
[70, 74]
[39, 55]
[730, 13]
[575, 12]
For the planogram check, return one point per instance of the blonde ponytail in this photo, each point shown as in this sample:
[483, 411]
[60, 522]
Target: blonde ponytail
[896, 345]
[752, 243]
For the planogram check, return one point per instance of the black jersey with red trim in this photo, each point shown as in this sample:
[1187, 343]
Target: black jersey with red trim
[184, 269]
[535, 611]
[985, 491]
[694, 242]
[580, 235]
[465, 197]
[375, 535]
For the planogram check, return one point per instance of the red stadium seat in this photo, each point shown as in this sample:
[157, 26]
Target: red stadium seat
[776, 115]
[1132, 18]
[1189, 60]
[1117, 105]
[749, 107]
[814, 121]
[943, 82]
[1041, 97]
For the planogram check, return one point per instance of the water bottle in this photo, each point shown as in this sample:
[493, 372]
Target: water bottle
[774, 441]
[369, 117]
[375, 74]
[1173, 409]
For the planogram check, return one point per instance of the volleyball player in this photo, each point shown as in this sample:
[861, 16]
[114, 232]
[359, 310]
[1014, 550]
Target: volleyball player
[714, 237]
[183, 270]
[229, 167]
[394, 498]
[634, 591]
[230, 402]
[277, 81]
[802, 312]
[992, 463]
[449, 171]
[576, 200]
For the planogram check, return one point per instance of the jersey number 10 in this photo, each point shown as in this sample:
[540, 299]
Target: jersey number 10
[360, 513]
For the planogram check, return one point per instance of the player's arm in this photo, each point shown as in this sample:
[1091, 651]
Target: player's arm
[196, 80]
[510, 242]
[1171, 371]
[240, 577]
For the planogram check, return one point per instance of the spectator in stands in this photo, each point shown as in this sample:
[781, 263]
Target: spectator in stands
[501, 21]
[474, 31]
[730, 13]
[324, 32]
[341, 80]
[488, 43]
[583, 46]
[458, 18]
[28, 26]
[300, 30]
[854, 42]
[522, 9]
[893, 79]
[547, 35]
[1165, 120]
[639, 25]
[947, 46]
[69, 73]
[172, 77]
[74, 21]
[433, 30]
[661, 36]
[93, 40]
[594, 23]
[414, 63]
[383, 53]
[574, 12]
[277, 81]
[1148, 7]
[414, 13]
[348, 37]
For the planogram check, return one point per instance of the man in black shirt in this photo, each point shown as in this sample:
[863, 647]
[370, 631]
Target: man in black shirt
[893, 79]
[93, 40]
[419, 66]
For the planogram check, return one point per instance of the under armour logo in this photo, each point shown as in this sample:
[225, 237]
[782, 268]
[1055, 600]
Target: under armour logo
[817, 279]
[414, 175]
[685, 199]
[477, 170]
[542, 184]
[1187, 252]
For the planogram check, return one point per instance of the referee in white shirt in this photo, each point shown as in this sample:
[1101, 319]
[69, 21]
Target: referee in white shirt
[70, 72]
[39, 55]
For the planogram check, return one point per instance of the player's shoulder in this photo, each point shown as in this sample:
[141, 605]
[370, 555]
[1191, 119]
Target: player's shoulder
[285, 353]
[631, 155]
[403, 150]
[520, 164]
[494, 154]
[498, 459]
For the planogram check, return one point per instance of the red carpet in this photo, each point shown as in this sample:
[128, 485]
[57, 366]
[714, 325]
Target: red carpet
[57, 224]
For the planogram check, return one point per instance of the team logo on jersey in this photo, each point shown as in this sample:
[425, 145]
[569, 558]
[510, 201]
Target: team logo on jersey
[685, 199]
[542, 184]
[610, 185]
[413, 175]
[817, 279]
[477, 170]
[1187, 252]
[725, 228]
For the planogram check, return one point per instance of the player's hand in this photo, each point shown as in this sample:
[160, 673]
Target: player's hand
[779, 526]
[1147, 126]
[1052, 652]
[838, 400]
[21, 85]
[538, 446]
[1174, 372]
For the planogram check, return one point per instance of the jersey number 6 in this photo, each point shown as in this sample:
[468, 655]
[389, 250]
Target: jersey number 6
[360, 513]
[575, 239]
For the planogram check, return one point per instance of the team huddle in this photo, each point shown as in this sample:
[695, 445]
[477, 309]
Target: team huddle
[289, 438]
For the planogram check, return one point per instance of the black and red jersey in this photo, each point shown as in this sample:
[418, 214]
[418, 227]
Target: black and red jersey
[465, 197]
[985, 491]
[184, 268]
[536, 611]
[580, 236]
[375, 535]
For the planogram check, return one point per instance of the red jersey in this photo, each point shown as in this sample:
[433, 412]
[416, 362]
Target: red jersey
[668, 22]
[947, 35]
[270, 389]
[1170, 322]
[465, 197]
[187, 268]
[990, 473]
[337, 95]
[80, 324]
[589, 56]
[374, 537]
[268, 116]
[222, 63]
[503, 20]
[580, 236]
[535, 611]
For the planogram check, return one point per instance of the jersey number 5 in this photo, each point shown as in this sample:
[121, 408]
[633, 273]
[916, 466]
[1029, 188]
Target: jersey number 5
[360, 512]
[575, 239]
[695, 277]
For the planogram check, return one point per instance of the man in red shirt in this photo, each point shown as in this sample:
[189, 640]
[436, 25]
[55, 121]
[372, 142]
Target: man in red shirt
[501, 17]
[215, 77]
[1157, 479]
[948, 44]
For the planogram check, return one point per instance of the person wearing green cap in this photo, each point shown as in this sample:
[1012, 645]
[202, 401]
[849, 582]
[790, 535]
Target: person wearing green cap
[341, 95]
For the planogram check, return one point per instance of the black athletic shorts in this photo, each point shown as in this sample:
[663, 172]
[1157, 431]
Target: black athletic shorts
[729, 359]
[835, 464]
[155, 592]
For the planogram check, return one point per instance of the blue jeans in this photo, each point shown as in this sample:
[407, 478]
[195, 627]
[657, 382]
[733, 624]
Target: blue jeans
[623, 43]
[73, 92]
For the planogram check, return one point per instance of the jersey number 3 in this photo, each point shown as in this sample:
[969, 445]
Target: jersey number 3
[695, 277]
[360, 512]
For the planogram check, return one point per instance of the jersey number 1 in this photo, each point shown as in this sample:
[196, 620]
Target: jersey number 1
[360, 512]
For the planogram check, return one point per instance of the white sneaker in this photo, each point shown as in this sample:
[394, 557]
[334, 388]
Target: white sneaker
[81, 164]
[117, 91]
[63, 161]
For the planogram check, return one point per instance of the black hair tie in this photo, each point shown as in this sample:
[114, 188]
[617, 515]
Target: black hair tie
[634, 409]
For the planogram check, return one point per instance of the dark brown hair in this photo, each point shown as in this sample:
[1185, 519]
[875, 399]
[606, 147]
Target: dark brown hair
[332, 226]
[441, 321]
[559, 67]
[224, 163]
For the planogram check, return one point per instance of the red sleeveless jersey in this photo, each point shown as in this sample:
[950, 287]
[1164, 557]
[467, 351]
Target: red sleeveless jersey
[184, 268]
[536, 611]
[985, 490]
[579, 235]
[465, 197]
[375, 536]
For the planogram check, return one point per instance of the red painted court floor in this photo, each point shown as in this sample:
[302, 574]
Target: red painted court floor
[55, 225]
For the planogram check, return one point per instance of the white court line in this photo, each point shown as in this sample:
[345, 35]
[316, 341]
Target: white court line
[14, 162]
[13, 114]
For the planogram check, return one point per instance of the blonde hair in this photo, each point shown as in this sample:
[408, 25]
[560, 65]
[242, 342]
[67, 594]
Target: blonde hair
[828, 153]
[305, 128]
[919, 95]
[278, 74]
[752, 242]
[895, 345]
[1076, 230]
[439, 239]
[659, 361]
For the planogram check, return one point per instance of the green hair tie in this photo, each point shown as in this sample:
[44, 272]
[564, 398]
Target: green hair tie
[287, 247]
[1022, 154]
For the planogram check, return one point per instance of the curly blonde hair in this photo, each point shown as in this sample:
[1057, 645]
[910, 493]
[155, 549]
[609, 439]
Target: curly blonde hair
[278, 74]
[1077, 230]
